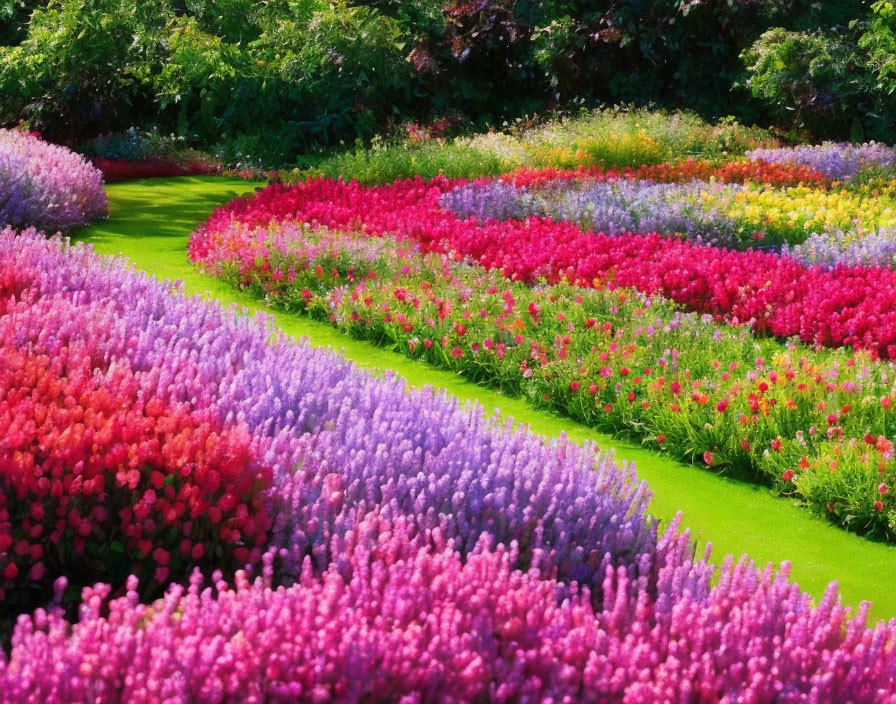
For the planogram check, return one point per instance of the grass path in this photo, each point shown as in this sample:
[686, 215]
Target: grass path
[150, 223]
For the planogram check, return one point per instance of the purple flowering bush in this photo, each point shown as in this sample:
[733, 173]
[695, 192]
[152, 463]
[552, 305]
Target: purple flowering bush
[47, 186]
[419, 550]
[837, 161]
[615, 208]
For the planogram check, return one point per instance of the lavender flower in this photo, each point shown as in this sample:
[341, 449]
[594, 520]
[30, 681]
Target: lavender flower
[46, 186]
[611, 207]
[838, 161]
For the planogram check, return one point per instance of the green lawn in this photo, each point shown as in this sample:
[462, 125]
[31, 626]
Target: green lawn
[150, 223]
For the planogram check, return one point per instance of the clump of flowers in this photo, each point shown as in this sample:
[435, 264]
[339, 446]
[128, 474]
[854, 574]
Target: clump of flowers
[614, 359]
[46, 186]
[393, 620]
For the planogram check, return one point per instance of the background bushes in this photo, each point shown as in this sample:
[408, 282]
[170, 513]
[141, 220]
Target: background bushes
[291, 75]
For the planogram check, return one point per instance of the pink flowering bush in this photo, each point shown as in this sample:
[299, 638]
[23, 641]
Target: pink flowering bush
[394, 621]
[46, 186]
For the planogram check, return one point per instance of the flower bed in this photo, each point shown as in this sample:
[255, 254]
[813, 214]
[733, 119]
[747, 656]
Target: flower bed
[681, 171]
[335, 442]
[426, 551]
[46, 186]
[716, 213]
[779, 296]
[616, 361]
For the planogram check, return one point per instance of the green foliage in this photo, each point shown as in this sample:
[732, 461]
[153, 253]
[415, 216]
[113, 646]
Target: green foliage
[234, 21]
[839, 84]
[83, 65]
[879, 41]
[200, 78]
[333, 67]
[14, 16]
[385, 164]
[314, 73]
[811, 75]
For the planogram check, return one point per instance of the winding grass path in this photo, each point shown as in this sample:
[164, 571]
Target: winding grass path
[150, 224]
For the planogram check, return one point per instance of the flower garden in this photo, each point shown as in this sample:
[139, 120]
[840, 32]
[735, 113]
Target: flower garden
[197, 507]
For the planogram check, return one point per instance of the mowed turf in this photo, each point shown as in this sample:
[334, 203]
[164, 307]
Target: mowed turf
[150, 223]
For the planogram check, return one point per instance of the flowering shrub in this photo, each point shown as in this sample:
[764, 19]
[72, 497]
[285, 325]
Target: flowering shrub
[777, 295]
[617, 361]
[46, 186]
[390, 622]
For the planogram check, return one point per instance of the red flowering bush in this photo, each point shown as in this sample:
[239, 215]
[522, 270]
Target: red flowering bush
[99, 479]
[122, 170]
